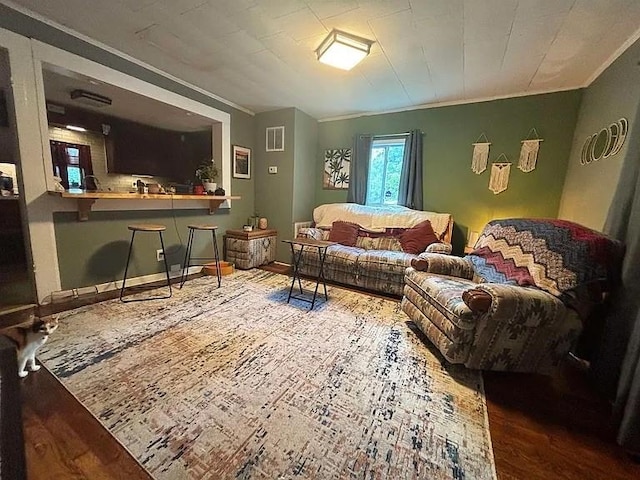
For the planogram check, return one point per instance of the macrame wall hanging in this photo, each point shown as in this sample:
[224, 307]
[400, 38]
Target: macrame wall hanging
[499, 180]
[480, 155]
[529, 152]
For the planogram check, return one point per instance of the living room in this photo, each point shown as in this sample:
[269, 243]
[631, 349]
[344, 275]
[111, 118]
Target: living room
[78, 255]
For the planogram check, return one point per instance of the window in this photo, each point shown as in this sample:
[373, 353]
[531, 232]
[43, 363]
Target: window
[74, 173]
[71, 162]
[385, 166]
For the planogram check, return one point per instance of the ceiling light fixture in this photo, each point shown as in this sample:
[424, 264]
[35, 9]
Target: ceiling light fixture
[76, 129]
[343, 50]
[90, 98]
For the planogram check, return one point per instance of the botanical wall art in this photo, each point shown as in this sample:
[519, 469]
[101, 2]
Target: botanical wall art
[337, 163]
[241, 162]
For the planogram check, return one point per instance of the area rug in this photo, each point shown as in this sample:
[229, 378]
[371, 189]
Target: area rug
[236, 383]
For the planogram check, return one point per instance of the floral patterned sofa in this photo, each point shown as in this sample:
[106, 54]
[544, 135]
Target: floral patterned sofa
[377, 261]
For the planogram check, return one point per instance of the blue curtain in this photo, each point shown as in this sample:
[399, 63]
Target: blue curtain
[359, 169]
[410, 192]
[616, 364]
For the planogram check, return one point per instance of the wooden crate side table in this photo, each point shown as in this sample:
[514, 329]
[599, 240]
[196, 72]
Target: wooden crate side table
[250, 249]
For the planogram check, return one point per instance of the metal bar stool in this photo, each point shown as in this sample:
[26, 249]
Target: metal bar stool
[187, 255]
[145, 228]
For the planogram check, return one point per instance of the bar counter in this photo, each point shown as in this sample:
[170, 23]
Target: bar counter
[86, 199]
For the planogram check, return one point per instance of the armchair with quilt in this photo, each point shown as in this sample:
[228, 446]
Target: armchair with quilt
[518, 301]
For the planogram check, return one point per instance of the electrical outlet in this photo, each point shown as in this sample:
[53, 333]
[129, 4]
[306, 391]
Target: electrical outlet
[273, 169]
[159, 255]
[134, 184]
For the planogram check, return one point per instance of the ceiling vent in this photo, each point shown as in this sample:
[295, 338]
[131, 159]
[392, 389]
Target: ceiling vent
[90, 98]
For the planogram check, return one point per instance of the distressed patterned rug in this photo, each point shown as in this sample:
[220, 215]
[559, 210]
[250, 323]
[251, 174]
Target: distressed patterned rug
[236, 383]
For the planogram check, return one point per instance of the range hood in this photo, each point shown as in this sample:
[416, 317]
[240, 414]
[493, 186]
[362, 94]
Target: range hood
[90, 98]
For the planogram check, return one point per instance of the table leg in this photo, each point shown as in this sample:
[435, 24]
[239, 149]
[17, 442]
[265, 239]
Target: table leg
[321, 275]
[322, 253]
[296, 274]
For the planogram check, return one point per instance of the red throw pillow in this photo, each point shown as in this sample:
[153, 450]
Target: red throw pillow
[345, 233]
[416, 239]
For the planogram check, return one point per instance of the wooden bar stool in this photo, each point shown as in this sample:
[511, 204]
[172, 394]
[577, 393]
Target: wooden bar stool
[187, 255]
[145, 227]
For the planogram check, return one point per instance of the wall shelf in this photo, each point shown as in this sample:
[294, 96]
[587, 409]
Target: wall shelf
[85, 200]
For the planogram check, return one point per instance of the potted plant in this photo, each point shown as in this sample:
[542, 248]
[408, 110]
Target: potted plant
[207, 173]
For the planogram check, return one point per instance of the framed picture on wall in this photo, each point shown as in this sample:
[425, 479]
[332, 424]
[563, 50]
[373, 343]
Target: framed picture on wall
[241, 162]
[337, 167]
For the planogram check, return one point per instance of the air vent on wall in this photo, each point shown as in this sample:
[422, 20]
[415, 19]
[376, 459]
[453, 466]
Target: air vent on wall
[90, 98]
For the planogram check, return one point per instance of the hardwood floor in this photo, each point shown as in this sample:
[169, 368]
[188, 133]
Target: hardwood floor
[541, 427]
[552, 427]
[64, 441]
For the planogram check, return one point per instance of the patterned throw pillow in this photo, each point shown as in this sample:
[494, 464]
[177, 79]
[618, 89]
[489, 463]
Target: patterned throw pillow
[416, 239]
[345, 233]
[379, 243]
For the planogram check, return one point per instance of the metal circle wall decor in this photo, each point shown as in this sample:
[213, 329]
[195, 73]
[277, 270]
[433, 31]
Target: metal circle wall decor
[604, 144]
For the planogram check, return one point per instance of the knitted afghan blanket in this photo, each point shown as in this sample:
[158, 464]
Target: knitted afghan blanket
[563, 258]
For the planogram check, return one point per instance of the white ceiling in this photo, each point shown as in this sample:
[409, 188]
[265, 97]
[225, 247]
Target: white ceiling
[259, 54]
[59, 83]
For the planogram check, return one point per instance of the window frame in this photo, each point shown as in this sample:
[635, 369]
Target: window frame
[385, 141]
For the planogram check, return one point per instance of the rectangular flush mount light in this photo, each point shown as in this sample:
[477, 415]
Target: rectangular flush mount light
[342, 50]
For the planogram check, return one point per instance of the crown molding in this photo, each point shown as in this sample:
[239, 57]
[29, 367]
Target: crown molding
[426, 106]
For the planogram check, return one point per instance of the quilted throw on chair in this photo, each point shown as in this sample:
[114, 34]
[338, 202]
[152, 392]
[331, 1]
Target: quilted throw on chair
[563, 258]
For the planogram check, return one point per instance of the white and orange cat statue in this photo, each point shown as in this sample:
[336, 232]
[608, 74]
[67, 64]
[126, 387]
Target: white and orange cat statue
[28, 340]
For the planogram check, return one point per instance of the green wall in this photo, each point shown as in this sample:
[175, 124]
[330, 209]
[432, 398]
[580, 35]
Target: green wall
[91, 252]
[286, 196]
[306, 145]
[95, 251]
[274, 192]
[588, 189]
[449, 184]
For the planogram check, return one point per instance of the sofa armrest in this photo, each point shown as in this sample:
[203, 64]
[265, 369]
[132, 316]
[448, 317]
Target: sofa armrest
[442, 264]
[314, 233]
[439, 248]
[514, 304]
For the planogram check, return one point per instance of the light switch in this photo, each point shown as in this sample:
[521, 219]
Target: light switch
[273, 169]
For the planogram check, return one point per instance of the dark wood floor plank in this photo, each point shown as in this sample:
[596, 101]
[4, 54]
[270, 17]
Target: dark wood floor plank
[553, 427]
[45, 459]
[84, 448]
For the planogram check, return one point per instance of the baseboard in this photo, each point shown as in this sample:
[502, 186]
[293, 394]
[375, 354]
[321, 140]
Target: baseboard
[78, 297]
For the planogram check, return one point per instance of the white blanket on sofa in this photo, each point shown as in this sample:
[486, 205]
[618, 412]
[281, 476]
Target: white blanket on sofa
[377, 219]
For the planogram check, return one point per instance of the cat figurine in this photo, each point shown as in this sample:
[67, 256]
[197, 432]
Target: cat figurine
[29, 340]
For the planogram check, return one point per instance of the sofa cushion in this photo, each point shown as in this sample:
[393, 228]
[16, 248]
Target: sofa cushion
[372, 261]
[386, 242]
[345, 233]
[416, 239]
[338, 256]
